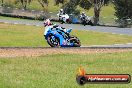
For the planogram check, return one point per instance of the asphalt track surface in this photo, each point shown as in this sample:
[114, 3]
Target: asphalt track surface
[113, 30]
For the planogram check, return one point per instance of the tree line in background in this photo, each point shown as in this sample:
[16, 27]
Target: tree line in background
[123, 7]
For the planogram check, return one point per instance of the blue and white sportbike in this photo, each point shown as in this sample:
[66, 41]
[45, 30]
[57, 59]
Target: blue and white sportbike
[60, 37]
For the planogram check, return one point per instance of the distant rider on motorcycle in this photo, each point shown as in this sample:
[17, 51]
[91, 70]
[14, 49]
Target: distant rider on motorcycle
[61, 12]
[83, 16]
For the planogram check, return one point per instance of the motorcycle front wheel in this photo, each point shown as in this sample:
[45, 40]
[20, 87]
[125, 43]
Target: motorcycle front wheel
[53, 41]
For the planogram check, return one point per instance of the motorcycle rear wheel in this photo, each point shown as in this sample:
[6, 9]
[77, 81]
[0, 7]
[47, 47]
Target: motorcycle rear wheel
[68, 21]
[84, 23]
[75, 41]
[90, 23]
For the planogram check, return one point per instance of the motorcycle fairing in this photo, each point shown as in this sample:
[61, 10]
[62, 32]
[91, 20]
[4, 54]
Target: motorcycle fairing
[62, 37]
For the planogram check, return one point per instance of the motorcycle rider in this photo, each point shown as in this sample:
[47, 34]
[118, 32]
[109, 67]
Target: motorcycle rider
[48, 25]
[86, 19]
[61, 12]
[55, 39]
[83, 16]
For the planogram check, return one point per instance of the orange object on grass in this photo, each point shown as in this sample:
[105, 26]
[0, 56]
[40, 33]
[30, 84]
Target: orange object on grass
[81, 71]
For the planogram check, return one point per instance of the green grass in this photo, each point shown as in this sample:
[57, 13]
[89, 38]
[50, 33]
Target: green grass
[98, 38]
[59, 71]
[22, 35]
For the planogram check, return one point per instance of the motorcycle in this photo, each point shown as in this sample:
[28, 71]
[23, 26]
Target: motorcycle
[64, 18]
[87, 21]
[57, 37]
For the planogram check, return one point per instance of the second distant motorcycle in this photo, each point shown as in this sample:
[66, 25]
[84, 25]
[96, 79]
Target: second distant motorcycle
[86, 21]
[64, 18]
